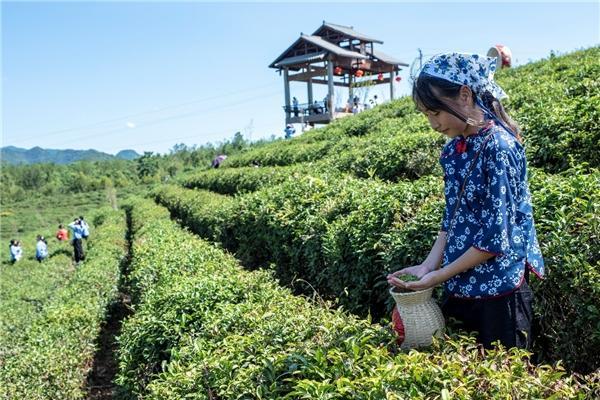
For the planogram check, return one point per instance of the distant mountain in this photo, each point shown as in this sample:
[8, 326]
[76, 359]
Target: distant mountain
[16, 155]
[127, 154]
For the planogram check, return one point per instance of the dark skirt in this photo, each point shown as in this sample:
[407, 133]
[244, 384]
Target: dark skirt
[507, 319]
[78, 250]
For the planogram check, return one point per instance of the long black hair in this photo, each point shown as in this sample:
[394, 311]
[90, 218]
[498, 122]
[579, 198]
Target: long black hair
[428, 90]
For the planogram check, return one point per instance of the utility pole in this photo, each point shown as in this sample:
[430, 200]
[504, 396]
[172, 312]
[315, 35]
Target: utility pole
[249, 129]
[420, 59]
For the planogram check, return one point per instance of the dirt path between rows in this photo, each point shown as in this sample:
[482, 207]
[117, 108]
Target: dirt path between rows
[100, 383]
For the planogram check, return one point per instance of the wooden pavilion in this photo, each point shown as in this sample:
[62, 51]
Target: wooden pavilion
[334, 55]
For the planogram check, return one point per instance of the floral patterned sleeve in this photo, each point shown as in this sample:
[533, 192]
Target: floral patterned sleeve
[446, 217]
[445, 221]
[501, 171]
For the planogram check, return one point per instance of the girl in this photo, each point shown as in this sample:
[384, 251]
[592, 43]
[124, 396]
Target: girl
[487, 242]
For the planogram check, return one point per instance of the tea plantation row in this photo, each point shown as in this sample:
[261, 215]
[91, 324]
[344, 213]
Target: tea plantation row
[48, 353]
[342, 235]
[25, 289]
[205, 328]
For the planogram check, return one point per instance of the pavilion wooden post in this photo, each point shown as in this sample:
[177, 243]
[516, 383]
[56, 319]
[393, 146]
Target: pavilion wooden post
[392, 80]
[286, 85]
[330, 98]
[350, 90]
[313, 59]
[310, 89]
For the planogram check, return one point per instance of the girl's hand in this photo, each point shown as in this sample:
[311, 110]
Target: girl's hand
[429, 280]
[418, 270]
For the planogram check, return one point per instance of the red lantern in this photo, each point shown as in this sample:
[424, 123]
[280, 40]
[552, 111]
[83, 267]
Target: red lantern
[398, 78]
[338, 70]
[359, 73]
[380, 77]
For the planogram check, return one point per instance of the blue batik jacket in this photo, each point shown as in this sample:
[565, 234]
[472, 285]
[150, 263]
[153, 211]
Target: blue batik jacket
[494, 214]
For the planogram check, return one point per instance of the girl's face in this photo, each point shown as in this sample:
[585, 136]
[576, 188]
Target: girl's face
[445, 123]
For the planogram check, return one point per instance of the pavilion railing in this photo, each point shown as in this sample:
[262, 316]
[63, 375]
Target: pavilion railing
[318, 107]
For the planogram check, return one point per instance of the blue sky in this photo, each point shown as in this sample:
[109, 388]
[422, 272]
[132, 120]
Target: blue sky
[148, 75]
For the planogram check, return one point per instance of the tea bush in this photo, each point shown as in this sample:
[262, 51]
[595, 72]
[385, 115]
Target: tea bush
[52, 358]
[206, 212]
[244, 179]
[205, 328]
[280, 153]
[342, 235]
[324, 230]
[557, 103]
[25, 289]
[402, 155]
[567, 212]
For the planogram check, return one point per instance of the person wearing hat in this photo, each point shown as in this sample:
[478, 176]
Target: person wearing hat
[487, 244]
[289, 131]
[41, 249]
[216, 162]
[15, 251]
[78, 233]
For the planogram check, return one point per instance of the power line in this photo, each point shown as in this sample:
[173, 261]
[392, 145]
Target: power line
[188, 137]
[160, 120]
[153, 111]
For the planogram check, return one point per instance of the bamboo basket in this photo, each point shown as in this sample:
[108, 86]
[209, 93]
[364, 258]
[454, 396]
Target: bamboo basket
[421, 317]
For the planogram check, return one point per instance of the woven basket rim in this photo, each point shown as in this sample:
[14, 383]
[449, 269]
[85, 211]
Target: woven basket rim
[411, 293]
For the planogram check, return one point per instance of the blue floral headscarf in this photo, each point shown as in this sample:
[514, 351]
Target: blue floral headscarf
[471, 70]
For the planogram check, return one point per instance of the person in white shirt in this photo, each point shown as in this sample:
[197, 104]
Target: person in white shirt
[41, 249]
[289, 131]
[15, 250]
[77, 230]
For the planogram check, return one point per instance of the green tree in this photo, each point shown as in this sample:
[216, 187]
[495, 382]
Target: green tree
[147, 165]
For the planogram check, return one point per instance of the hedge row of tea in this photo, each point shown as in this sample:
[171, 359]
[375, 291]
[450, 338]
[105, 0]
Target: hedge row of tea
[567, 215]
[239, 180]
[392, 155]
[342, 235]
[25, 289]
[204, 328]
[323, 229]
[51, 357]
[557, 102]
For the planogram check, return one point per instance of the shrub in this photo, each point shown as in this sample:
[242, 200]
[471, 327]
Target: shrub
[55, 354]
[208, 329]
[557, 103]
[341, 235]
[280, 153]
[322, 229]
[567, 213]
[238, 180]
